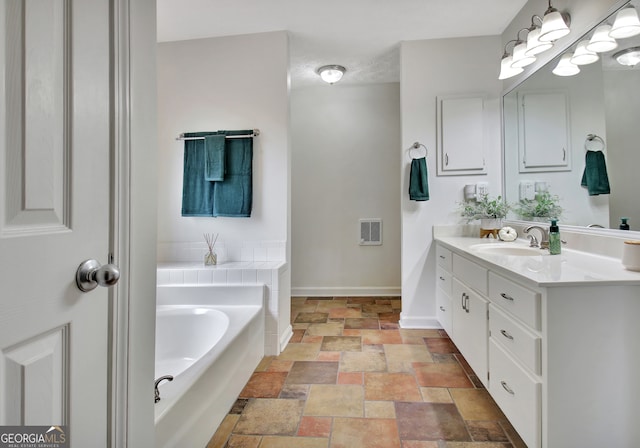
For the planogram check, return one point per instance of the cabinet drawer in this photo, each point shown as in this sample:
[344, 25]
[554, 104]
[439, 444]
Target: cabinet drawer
[517, 394]
[444, 312]
[518, 300]
[443, 256]
[443, 280]
[470, 273]
[520, 342]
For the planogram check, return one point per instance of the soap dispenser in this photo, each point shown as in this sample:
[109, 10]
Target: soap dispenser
[555, 245]
[623, 224]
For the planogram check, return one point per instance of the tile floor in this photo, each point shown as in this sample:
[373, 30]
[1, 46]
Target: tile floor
[351, 378]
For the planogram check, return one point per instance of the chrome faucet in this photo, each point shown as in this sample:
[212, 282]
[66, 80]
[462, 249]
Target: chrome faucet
[544, 237]
[158, 381]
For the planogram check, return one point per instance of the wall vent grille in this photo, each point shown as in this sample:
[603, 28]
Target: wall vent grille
[371, 232]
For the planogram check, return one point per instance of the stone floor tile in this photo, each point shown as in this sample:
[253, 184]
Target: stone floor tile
[300, 352]
[441, 345]
[223, 432]
[364, 361]
[315, 427]
[486, 431]
[419, 444]
[344, 313]
[330, 304]
[328, 329]
[475, 404]
[295, 391]
[264, 385]
[436, 395]
[242, 441]
[239, 405]
[350, 378]
[313, 372]
[416, 336]
[264, 363]
[278, 365]
[362, 323]
[311, 318]
[440, 375]
[297, 336]
[308, 339]
[400, 357]
[342, 344]
[329, 356]
[377, 309]
[343, 400]
[381, 337]
[477, 445]
[364, 433]
[293, 442]
[430, 421]
[361, 300]
[269, 416]
[379, 409]
[391, 387]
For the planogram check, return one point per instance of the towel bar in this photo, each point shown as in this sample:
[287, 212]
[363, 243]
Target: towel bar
[417, 145]
[255, 133]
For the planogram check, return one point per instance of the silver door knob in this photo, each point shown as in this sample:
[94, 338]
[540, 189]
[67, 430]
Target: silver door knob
[90, 274]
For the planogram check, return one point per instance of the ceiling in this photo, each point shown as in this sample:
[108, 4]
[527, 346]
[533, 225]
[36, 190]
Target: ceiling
[362, 35]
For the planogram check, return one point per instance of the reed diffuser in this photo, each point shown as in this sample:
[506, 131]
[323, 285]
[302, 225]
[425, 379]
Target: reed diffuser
[211, 258]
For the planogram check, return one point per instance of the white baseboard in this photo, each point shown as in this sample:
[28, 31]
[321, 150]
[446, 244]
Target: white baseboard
[285, 337]
[420, 322]
[318, 291]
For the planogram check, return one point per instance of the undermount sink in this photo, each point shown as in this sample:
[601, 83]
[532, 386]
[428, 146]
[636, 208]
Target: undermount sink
[507, 249]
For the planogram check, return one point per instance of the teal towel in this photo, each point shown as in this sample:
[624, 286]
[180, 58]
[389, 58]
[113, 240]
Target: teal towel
[214, 146]
[595, 176]
[197, 193]
[233, 196]
[418, 184]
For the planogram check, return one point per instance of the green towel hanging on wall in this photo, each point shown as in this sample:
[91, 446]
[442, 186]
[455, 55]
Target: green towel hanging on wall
[595, 176]
[418, 183]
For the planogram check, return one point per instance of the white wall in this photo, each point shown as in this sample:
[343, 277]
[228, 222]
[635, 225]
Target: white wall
[429, 69]
[238, 82]
[345, 142]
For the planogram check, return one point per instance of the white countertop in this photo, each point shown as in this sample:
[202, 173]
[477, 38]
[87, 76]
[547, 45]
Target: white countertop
[570, 268]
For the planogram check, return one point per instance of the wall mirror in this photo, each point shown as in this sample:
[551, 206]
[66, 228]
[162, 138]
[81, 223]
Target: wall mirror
[551, 121]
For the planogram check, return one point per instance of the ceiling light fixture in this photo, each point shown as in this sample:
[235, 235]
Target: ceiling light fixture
[601, 41]
[506, 68]
[534, 46]
[629, 56]
[626, 23]
[331, 73]
[582, 55]
[565, 67]
[554, 25]
[520, 57]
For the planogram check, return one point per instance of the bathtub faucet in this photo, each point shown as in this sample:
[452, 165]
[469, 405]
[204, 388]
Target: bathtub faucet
[158, 381]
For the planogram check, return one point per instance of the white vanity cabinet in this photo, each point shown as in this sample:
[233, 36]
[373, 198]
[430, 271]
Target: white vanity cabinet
[562, 356]
[444, 310]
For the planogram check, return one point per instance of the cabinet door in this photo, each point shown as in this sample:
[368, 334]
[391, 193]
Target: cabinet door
[470, 327]
[460, 134]
[543, 132]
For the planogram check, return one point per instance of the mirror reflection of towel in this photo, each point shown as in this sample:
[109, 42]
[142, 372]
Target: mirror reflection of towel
[418, 184]
[595, 176]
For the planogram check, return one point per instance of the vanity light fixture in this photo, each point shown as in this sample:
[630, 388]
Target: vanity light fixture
[520, 57]
[565, 67]
[534, 46]
[629, 56]
[554, 25]
[582, 55]
[331, 73]
[506, 68]
[626, 23]
[601, 41]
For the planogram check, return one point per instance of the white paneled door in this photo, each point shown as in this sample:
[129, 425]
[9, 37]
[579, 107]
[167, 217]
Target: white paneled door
[54, 214]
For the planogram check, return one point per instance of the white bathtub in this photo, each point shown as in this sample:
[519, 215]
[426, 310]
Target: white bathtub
[210, 339]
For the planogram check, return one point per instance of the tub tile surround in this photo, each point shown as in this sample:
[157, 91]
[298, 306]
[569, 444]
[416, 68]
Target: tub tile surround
[344, 382]
[245, 263]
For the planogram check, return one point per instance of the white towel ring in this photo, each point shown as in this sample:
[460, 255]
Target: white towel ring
[594, 143]
[417, 146]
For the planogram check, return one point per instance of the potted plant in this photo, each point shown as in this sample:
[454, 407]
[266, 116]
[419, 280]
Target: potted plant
[490, 212]
[544, 207]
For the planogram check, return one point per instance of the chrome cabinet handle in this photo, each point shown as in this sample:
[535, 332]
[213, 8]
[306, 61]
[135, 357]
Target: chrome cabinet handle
[442, 309]
[506, 335]
[91, 274]
[442, 278]
[443, 257]
[506, 387]
[505, 296]
[446, 159]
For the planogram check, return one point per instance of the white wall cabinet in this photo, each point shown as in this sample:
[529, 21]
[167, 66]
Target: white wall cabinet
[558, 358]
[460, 135]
